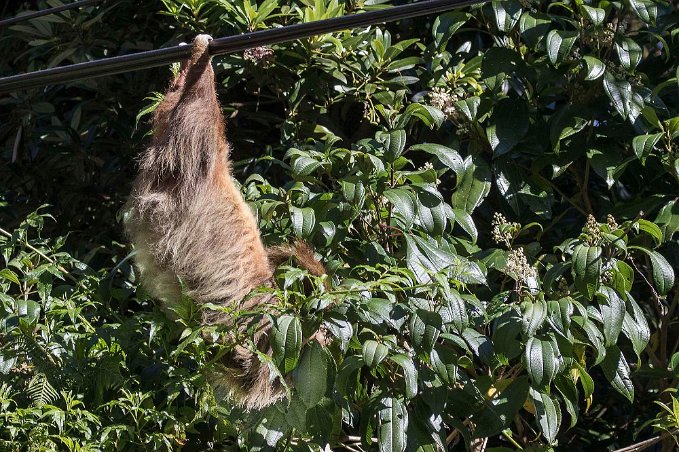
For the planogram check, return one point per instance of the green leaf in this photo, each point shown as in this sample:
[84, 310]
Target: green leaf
[547, 413]
[650, 228]
[7, 362]
[569, 393]
[270, 428]
[303, 221]
[409, 374]
[431, 210]
[617, 372]
[594, 336]
[347, 375]
[586, 267]
[454, 311]
[403, 201]
[595, 15]
[647, 10]
[560, 313]
[425, 327]
[10, 276]
[466, 223]
[609, 164]
[501, 410]
[533, 315]
[444, 361]
[559, 44]
[661, 270]
[595, 68]
[567, 121]
[510, 123]
[506, 14]
[303, 166]
[449, 157]
[643, 145]
[540, 361]
[286, 342]
[395, 142]
[626, 102]
[311, 374]
[473, 184]
[393, 424]
[374, 353]
[446, 25]
[353, 191]
[668, 219]
[585, 380]
[534, 27]
[422, 257]
[29, 309]
[612, 314]
[469, 107]
[629, 52]
[635, 326]
[430, 116]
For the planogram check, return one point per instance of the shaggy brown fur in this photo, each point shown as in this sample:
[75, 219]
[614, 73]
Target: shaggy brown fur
[189, 221]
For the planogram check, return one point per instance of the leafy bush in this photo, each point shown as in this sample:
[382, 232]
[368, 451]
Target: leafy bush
[494, 192]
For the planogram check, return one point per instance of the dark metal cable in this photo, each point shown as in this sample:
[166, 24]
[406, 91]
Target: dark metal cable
[45, 12]
[160, 57]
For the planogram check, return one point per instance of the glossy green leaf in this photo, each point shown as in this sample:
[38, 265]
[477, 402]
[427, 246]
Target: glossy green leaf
[559, 44]
[595, 15]
[662, 272]
[449, 157]
[311, 374]
[469, 107]
[347, 375]
[444, 362]
[617, 372]
[635, 326]
[547, 413]
[540, 360]
[586, 267]
[569, 394]
[534, 27]
[446, 25]
[466, 223]
[500, 411]
[473, 185]
[643, 145]
[533, 315]
[303, 220]
[594, 67]
[454, 311]
[506, 14]
[404, 204]
[647, 10]
[393, 424]
[629, 53]
[286, 342]
[409, 374]
[425, 327]
[612, 309]
[374, 353]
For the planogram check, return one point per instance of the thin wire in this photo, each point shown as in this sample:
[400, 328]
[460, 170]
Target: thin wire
[45, 12]
[161, 57]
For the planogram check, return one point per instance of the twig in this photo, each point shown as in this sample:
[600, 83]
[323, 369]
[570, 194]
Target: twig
[647, 443]
[44, 256]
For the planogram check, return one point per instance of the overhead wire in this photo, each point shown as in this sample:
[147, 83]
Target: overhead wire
[45, 12]
[229, 44]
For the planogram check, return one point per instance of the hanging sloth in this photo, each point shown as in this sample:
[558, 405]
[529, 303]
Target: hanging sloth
[189, 223]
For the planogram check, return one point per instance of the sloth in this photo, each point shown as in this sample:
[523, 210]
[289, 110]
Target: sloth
[189, 223]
